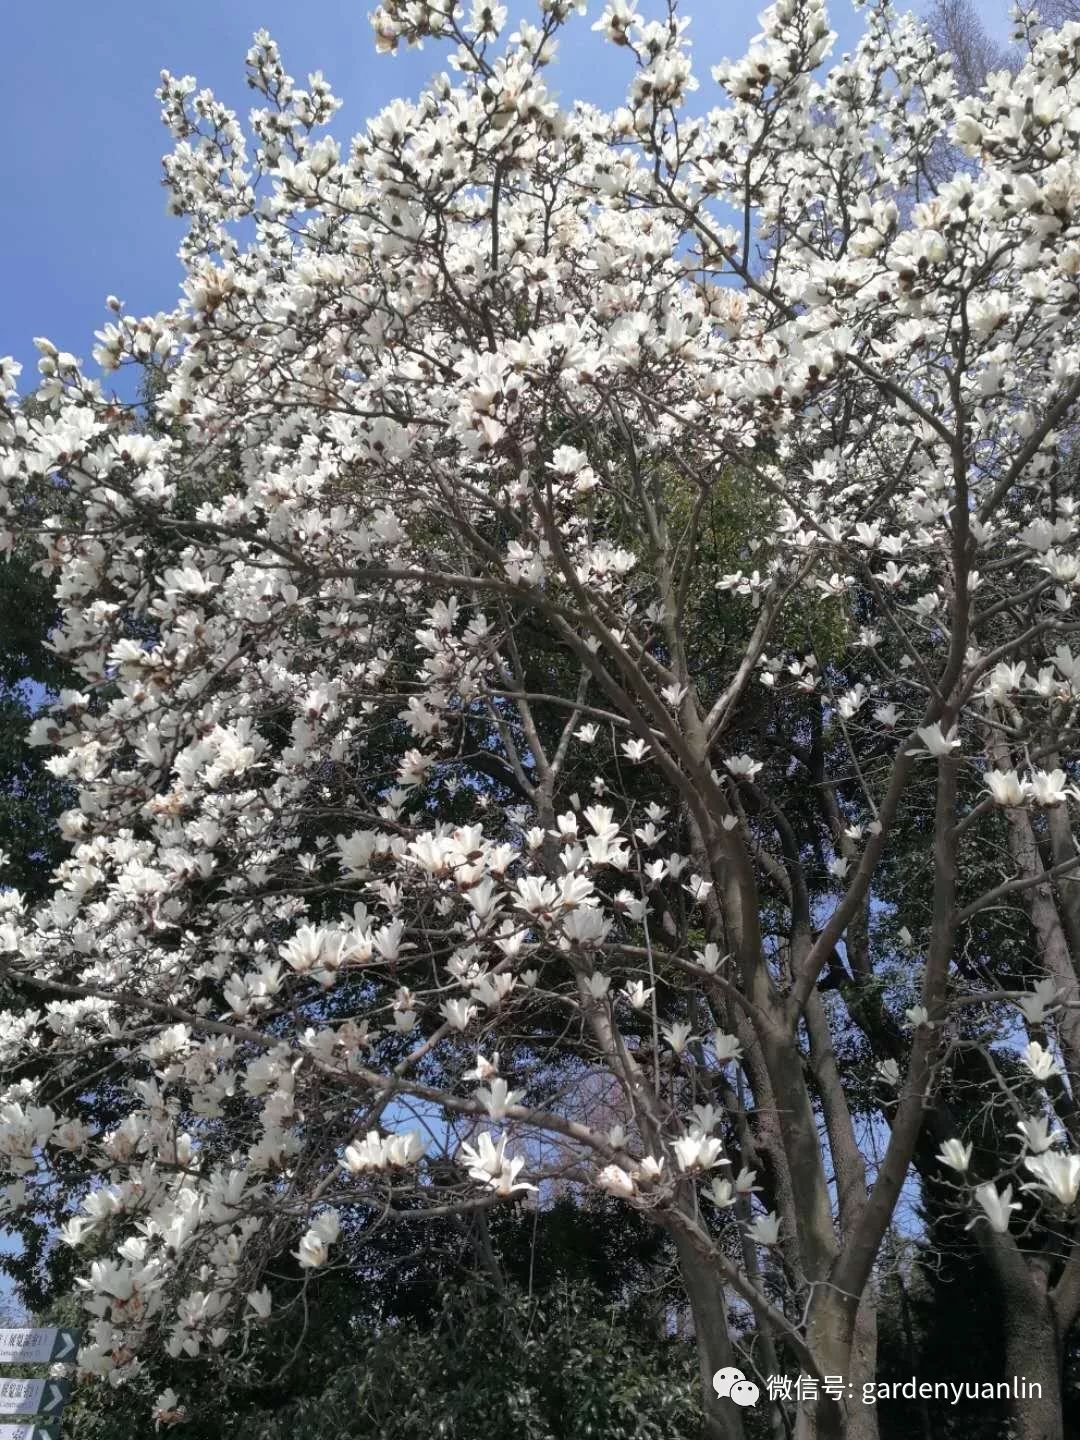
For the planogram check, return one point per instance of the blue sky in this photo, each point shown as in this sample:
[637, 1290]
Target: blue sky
[81, 170]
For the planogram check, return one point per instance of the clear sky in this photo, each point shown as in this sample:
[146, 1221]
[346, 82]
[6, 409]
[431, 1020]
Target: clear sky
[83, 209]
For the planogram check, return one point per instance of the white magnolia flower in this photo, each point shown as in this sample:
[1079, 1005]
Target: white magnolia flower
[586, 926]
[638, 993]
[616, 1181]
[726, 1047]
[1056, 1174]
[395, 1151]
[997, 1208]
[744, 1182]
[722, 1193]
[167, 1409]
[497, 1098]
[706, 1118]
[1050, 787]
[764, 1229]
[403, 1149]
[955, 1154]
[364, 1155]
[73, 1232]
[1038, 1002]
[678, 1035]
[1039, 1061]
[598, 985]
[698, 889]
[697, 1151]
[484, 1068]
[314, 1248]
[743, 765]
[459, 1014]
[635, 750]
[935, 742]
[1006, 787]
[490, 1165]
[1036, 1134]
[709, 959]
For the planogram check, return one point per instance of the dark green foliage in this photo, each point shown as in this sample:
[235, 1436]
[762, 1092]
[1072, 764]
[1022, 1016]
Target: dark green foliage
[566, 1366]
[566, 1335]
[30, 798]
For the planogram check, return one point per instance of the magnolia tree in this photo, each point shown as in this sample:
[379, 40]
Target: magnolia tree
[566, 563]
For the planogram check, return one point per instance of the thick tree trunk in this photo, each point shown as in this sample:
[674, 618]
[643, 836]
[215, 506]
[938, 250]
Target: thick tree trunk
[830, 1333]
[850, 1173]
[1033, 1353]
[844, 1346]
[705, 1292]
[862, 1420]
[1032, 1336]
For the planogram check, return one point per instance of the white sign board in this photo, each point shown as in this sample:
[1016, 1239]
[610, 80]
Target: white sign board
[32, 1397]
[38, 1347]
[29, 1432]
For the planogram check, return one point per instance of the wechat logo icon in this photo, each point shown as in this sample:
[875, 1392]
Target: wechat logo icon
[733, 1384]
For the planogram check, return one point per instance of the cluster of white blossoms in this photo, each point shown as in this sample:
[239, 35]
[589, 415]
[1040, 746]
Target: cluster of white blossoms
[1057, 1174]
[416, 624]
[1043, 787]
[380, 1152]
